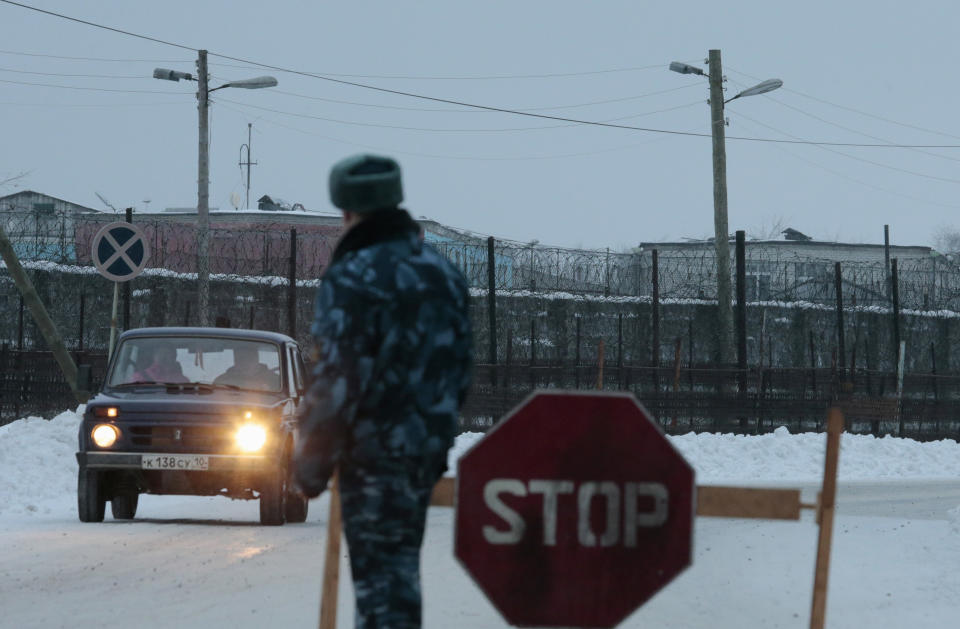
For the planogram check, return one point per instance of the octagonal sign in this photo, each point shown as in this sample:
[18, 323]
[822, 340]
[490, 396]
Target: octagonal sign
[574, 510]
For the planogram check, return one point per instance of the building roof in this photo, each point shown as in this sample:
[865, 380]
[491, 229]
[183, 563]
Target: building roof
[43, 194]
[807, 244]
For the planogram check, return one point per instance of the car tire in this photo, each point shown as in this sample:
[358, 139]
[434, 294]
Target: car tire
[91, 504]
[273, 495]
[124, 505]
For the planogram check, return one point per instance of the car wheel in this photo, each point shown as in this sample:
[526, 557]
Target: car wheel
[272, 499]
[124, 505]
[90, 502]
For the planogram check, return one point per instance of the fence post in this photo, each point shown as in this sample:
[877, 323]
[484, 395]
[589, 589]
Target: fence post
[678, 346]
[251, 316]
[576, 366]
[813, 364]
[509, 358]
[620, 351]
[492, 308]
[20, 327]
[655, 350]
[292, 286]
[533, 351]
[127, 294]
[741, 312]
[886, 255]
[933, 372]
[600, 360]
[841, 345]
[895, 293]
[690, 352]
[80, 332]
[186, 315]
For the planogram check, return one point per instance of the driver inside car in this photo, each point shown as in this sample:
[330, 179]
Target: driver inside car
[163, 367]
[248, 372]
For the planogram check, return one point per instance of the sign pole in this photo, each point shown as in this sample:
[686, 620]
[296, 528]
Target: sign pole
[113, 318]
[120, 252]
[825, 519]
[331, 562]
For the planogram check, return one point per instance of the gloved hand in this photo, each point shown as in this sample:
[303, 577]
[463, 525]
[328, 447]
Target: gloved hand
[310, 476]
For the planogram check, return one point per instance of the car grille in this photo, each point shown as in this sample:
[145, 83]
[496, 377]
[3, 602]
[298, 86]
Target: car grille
[182, 437]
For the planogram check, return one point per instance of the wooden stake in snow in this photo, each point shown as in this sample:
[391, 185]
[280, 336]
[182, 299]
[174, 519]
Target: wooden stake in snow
[825, 519]
[331, 562]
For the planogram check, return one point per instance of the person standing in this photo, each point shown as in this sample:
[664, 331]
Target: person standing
[394, 353]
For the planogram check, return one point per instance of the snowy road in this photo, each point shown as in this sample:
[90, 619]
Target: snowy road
[205, 562]
[220, 568]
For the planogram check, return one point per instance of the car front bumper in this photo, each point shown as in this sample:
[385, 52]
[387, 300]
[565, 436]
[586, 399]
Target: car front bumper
[134, 461]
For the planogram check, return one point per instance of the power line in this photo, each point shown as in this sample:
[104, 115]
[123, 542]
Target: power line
[77, 76]
[91, 89]
[34, 54]
[491, 77]
[95, 25]
[864, 183]
[474, 105]
[845, 128]
[856, 111]
[436, 130]
[859, 159]
[440, 156]
[178, 103]
[462, 110]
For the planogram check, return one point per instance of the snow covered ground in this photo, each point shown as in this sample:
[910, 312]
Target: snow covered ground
[205, 562]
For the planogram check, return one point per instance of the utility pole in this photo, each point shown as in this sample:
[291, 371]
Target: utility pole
[203, 166]
[247, 163]
[721, 233]
[203, 194]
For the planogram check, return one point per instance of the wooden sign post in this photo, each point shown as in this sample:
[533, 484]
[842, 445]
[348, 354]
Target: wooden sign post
[825, 519]
[331, 563]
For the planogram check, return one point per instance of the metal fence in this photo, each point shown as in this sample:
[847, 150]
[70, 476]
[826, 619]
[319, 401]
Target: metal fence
[681, 398]
[552, 306]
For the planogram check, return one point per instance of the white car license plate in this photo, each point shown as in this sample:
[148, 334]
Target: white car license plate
[174, 462]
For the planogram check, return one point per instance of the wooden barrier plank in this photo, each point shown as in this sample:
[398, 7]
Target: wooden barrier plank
[443, 492]
[748, 502]
[712, 501]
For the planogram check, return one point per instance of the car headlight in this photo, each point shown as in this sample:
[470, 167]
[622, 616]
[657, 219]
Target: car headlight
[251, 437]
[105, 435]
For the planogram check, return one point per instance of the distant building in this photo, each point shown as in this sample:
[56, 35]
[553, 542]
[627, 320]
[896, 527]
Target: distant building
[40, 226]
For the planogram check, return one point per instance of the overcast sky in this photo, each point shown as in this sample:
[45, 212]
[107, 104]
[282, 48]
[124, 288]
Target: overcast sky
[854, 72]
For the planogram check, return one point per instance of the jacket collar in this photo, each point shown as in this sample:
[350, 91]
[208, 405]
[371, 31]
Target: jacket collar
[380, 226]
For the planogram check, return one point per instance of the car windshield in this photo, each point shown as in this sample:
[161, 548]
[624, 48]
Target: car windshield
[231, 363]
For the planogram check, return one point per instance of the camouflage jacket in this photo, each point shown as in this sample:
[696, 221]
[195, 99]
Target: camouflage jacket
[394, 352]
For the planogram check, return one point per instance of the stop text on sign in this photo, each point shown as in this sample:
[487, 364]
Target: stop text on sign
[622, 502]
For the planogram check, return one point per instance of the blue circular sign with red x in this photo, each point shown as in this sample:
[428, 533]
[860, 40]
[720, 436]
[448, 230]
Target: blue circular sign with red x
[120, 251]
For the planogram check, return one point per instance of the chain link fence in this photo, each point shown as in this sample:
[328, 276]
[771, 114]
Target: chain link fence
[553, 307]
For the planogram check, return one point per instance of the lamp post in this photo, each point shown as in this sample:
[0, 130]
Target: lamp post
[721, 233]
[203, 167]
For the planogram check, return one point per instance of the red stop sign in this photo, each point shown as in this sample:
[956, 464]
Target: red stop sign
[574, 510]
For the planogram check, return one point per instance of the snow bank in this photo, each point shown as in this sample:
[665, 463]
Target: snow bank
[38, 463]
[780, 456]
[38, 466]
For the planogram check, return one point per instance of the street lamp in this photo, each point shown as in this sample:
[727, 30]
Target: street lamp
[203, 167]
[721, 234]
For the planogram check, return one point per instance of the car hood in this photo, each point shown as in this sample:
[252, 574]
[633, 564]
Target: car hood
[173, 401]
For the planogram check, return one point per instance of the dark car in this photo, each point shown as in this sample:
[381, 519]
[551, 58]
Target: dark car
[194, 411]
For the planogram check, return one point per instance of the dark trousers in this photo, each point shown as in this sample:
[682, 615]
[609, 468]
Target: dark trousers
[384, 512]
